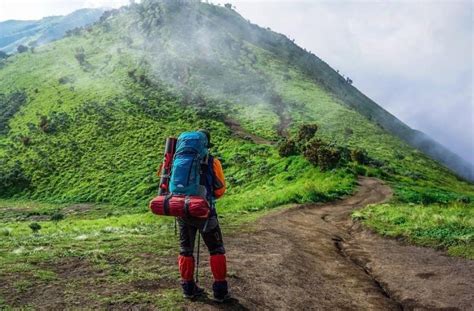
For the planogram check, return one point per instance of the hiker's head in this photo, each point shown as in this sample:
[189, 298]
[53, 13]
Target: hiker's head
[208, 135]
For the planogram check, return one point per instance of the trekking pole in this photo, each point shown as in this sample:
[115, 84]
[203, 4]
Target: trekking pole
[197, 259]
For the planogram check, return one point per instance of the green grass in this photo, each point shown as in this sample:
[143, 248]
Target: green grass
[449, 227]
[97, 140]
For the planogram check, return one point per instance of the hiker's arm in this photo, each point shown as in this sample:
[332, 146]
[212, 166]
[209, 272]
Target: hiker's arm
[219, 180]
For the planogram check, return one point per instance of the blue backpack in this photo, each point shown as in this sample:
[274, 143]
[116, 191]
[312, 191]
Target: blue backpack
[191, 151]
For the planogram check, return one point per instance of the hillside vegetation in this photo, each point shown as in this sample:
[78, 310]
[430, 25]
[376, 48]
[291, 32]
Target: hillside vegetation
[83, 121]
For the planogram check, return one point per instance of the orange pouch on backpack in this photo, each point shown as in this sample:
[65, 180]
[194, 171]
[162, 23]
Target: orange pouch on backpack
[180, 206]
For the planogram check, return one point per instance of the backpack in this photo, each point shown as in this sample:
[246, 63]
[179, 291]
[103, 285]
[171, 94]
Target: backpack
[191, 152]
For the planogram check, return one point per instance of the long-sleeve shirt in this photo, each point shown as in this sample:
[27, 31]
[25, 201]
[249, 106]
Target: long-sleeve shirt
[218, 178]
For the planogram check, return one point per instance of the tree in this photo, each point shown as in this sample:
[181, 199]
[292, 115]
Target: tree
[21, 48]
[35, 227]
[228, 5]
[3, 55]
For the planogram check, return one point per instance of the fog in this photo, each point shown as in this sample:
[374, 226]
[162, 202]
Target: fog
[414, 58]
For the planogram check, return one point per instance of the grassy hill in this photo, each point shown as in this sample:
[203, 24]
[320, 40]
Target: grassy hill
[83, 122]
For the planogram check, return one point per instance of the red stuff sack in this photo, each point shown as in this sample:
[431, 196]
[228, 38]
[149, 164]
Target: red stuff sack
[180, 206]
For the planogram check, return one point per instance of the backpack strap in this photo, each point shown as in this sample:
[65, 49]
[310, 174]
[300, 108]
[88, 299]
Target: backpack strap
[166, 204]
[187, 200]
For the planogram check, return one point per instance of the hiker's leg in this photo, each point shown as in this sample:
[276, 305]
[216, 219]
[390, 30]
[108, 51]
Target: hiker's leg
[187, 235]
[212, 236]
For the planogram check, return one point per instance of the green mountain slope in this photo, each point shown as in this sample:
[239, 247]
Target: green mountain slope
[16, 32]
[83, 119]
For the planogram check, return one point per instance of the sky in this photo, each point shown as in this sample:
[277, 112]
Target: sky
[414, 58]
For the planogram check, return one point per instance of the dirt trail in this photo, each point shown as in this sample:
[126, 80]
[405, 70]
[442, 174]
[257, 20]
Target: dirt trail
[240, 132]
[314, 257]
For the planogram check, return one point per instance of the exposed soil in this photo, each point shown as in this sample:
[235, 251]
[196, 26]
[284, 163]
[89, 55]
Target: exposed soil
[285, 119]
[78, 208]
[238, 131]
[315, 257]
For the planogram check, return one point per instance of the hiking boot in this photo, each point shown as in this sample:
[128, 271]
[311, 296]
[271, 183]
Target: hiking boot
[221, 292]
[191, 290]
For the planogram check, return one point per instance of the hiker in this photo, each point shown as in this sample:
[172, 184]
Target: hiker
[212, 177]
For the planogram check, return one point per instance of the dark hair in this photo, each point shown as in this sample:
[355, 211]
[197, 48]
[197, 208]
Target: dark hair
[208, 135]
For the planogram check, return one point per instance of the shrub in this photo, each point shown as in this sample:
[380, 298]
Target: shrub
[56, 217]
[65, 79]
[9, 105]
[464, 199]
[12, 179]
[6, 232]
[80, 56]
[306, 132]
[360, 170]
[328, 157]
[310, 151]
[35, 227]
[359, 156]
[287, 148]
[322, 154]
[25, 140]
[43, 124]
[21, 48]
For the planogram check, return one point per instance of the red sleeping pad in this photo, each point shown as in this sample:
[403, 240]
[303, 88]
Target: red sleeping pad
[180, 206]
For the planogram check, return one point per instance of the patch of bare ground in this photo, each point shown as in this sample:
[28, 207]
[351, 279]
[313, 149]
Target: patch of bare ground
[78, 208]
[240, 132]
[78, 285]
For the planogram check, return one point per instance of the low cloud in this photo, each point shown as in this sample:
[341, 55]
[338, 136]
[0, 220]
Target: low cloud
[412, 58]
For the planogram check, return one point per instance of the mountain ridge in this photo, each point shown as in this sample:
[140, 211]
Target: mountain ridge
[175, 67]
[353, 97]
[23, 32]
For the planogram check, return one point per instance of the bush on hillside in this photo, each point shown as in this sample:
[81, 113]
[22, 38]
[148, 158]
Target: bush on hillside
[66, 79]
[22, 48]
[306, 132]
[12, 179]
[322, 154]
[25, 140]
[359, 156]
[80, 56]
[35, 227]
[287, 147]
[44, 124]
[9, 105]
